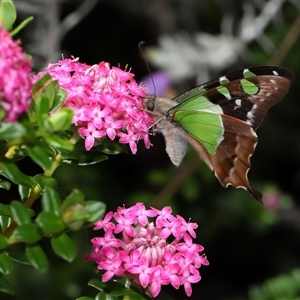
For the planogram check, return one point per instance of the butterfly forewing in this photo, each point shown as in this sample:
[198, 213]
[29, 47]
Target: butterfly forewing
[245, 94]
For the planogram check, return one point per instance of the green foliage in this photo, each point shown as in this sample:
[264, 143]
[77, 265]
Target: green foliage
[47, 138]
[8, 14]
[280, 287]
[117, 289]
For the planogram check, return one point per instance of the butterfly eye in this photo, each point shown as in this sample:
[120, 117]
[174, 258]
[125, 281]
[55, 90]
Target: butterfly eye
[150, 104]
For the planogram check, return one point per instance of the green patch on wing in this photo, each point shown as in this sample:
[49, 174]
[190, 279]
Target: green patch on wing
[205, 127]
[249, 87]
[196, 103]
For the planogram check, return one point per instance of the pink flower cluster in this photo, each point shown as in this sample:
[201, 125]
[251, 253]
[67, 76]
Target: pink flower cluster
[106, 101]
[15, 79]
[149, 254]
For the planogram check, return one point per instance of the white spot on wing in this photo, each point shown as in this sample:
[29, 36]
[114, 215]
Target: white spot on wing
[275, 73]
[272, 81]
[238, 102]
[250, 114]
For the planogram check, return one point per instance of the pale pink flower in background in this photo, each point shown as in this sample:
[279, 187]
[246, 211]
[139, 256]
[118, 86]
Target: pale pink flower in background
[107, 102]
[137, 245]
[15, 78]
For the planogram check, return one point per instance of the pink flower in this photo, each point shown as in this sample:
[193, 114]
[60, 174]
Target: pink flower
[149, 255]
[15, 80]
[107, 102]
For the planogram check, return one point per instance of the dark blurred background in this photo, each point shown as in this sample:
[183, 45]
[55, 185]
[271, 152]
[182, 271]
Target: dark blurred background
[248, 244]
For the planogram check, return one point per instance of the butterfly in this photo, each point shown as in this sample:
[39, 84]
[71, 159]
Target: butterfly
[219, 118]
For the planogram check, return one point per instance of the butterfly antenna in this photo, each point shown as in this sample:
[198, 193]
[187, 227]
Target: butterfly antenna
[140, 45]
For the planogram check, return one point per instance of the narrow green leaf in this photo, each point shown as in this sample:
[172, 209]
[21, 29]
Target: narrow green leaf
[42, 110]
[5, 185]
[50, 222]
[37, 154]
[63, 246]
[21, 26]
[74, 198]
[12, 172]
[51, 201]
[20, 213]
[6, 287]
[61, 120]
[5, 263]
[45, 98]
[17, 255]
[44, 182]
[3, 241]
[29, 233]
[37, 257]
[95, 210]
[8, 14]
[4, 222]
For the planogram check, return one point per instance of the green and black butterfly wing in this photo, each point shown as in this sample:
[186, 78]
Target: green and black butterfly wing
[220, 117]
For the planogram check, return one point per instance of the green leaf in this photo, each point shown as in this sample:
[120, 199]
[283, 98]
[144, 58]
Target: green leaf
[40, 85]
[63, 246]
[4, 222]
[24, 192]
[38, 155]
[44, 182]
[42, 111]
[74, 216]
[104, 296]
[74, 198]
[85, 298]
[8, 14]
[80, 157]
[50, 222]
[111, 147]
[59, 100]
[9, 131]
[12, 172]
[95, 210]
[21, 26]
[4, 210]
[20, 213]
[3, 241]
[44, 101]
[5, 185]
[61, 120]
[6, 287]
[17, 255]
[5, 263]
[51, 201]
[29, 233]
[37, 257]
[97, 284]
[56, 141]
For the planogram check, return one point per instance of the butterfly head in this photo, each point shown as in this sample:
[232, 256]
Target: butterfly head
[149, 103]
